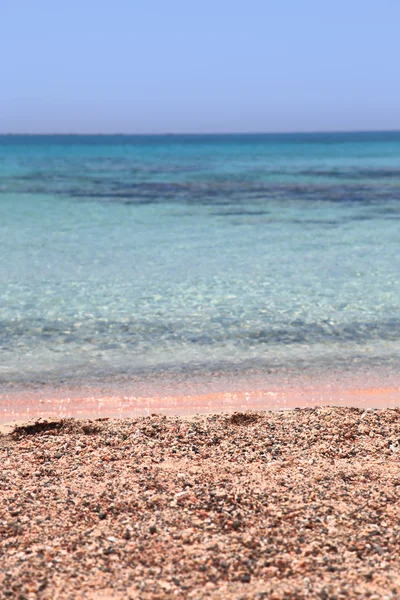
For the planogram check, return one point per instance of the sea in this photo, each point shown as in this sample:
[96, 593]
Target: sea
[134, 262]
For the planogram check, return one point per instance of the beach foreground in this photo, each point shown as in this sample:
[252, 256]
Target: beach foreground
[301, 503]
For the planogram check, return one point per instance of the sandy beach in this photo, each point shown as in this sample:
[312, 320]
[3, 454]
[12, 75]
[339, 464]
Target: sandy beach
[299, 503]
[199, 300]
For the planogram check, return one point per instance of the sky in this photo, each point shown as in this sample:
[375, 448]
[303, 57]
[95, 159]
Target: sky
[187, 66]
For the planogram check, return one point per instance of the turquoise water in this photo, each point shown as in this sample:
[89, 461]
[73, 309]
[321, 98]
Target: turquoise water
[124, 256]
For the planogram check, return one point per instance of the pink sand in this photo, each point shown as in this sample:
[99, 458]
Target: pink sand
[20, 406]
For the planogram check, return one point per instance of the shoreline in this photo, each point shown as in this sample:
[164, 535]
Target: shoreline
[20, 406]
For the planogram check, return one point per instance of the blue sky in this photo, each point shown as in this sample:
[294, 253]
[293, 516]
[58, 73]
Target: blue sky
[152, 66]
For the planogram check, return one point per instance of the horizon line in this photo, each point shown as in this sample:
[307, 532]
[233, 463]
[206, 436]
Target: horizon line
[210, 133]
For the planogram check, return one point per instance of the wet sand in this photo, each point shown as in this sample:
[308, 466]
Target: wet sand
[281, 504]
[95, 403]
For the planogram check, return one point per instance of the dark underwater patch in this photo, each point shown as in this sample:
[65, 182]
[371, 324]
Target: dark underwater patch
[136, 335]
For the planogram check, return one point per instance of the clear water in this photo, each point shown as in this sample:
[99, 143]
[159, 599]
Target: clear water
[127, 256]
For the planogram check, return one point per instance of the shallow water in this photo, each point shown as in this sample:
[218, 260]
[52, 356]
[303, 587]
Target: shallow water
[220, 257]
